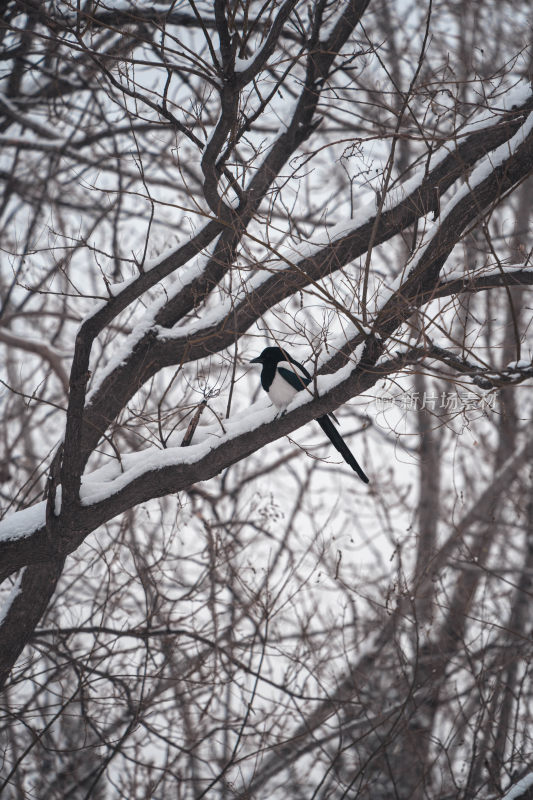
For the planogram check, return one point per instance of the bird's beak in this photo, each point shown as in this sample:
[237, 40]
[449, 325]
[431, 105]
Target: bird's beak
[256, 360]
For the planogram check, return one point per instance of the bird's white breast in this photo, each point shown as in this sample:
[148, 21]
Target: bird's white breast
[281, 393]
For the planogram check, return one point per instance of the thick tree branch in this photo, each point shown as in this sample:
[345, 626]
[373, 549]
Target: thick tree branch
[149, 355]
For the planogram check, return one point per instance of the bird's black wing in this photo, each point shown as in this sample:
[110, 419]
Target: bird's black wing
[299, 367]
[339, 444]
[299, 378]
[292, 377]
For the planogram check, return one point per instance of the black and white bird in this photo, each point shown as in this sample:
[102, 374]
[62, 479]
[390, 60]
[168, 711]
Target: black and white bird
[282, 377]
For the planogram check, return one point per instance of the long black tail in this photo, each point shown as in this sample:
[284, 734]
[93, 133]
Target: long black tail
[339, 444]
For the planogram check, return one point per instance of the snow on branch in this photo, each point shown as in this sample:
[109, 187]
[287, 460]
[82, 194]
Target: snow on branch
[520, 788]
[22, 524]
[154, 472]
[164, 345]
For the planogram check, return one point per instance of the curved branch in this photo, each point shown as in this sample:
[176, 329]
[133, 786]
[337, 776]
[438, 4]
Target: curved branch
[155, 349]
[40, 348]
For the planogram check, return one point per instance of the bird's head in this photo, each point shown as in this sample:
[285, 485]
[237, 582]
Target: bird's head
[270, 355]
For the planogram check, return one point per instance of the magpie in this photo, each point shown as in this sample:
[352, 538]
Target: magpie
[282, 377]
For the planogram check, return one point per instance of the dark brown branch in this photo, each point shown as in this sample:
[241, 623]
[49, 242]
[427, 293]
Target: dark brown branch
[149, 356]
